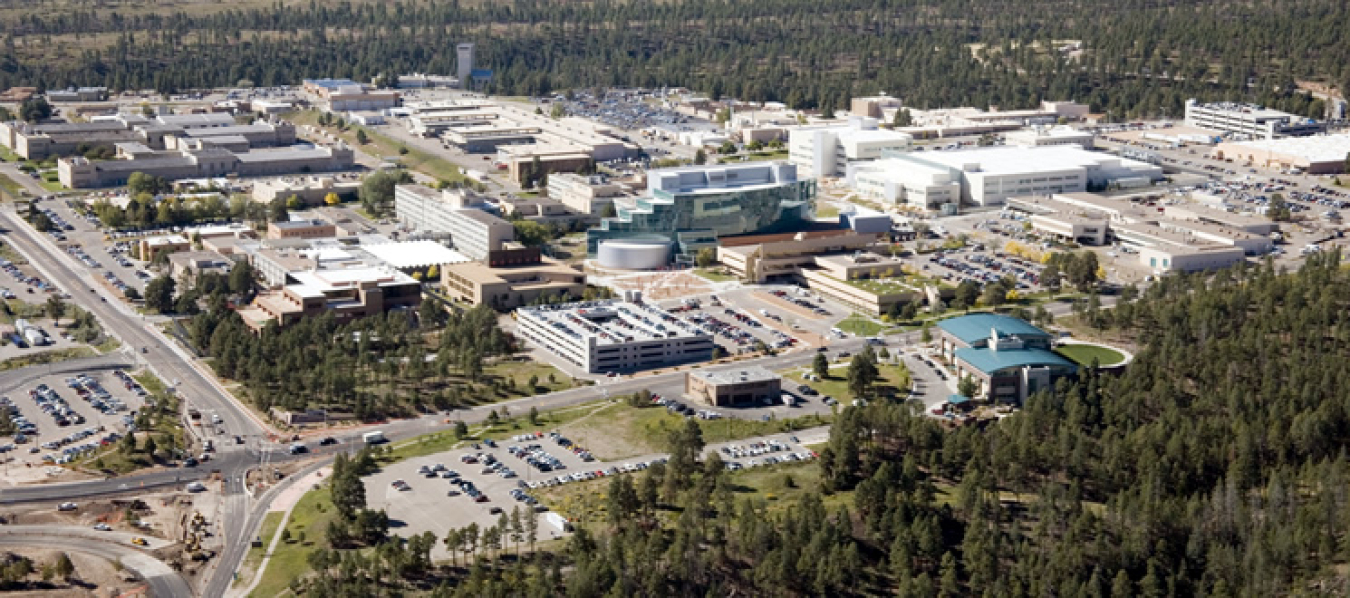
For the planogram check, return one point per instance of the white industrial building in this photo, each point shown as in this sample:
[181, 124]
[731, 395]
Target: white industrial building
[1249, 120]
[896, 181]
[827, 151]
[614, 336]
[430, 212]
[1042, 136]
[988, 176]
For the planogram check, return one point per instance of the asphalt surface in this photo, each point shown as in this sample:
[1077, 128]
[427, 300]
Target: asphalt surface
[113, 546]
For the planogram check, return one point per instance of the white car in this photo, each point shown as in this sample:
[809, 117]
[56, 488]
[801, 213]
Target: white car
[67, 506]
[103, 527]
[196, 487]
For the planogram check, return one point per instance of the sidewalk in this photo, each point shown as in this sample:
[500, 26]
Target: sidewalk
[285, 501]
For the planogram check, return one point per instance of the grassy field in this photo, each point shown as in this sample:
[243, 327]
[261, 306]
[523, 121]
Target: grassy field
[11, 188]
[860, 325]
[254, 557]
[521, 371]
[309, 519]
[55, 356]
[621, 431]
[1084, 354]
[894, 383]
[768, 156]
[713, 275]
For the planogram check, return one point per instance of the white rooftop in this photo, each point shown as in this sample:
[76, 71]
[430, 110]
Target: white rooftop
[1319, 148]
[415, 254]
[346, 278]
[1012, 159]
[613, 322]
[167, 240]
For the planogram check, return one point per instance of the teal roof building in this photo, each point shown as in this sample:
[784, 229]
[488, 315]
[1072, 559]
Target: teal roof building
[1008, 357]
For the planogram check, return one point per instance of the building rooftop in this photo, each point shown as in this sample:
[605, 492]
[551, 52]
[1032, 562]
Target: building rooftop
[215, 119]
[481, 217]
[298, 152]
[990, 361]
[973, 328]
[415, 254]
[1014, 159]
[1318, 148]
[166, 240]
[740, 375]
[330, 83]
[298, 224]
[613, 322]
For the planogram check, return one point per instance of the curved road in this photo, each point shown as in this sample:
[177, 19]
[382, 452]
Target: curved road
[113, 546]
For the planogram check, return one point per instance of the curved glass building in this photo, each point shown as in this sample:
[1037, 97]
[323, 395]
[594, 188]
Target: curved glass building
[691, 207]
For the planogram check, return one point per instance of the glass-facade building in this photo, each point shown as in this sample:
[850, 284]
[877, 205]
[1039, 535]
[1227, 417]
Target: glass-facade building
[691, 207]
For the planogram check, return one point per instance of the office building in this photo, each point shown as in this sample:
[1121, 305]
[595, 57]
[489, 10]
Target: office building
[827, 151]
[301, 229]
[686, 209]
[475, 233]
[200, 160]
[1319, 154]
[149, 247]
[988, 176]
[507, 287]
[78, 94]
[197, 262]
[1180, 241]
[345, 95]
[1008, 358]
[896, 182]
[584, 194]
[1040, 136]
[428, 211]
[874, 106]
[464, 65]
[311, 190]
[614, 336]
[1249, 121]
[742, 387]
[348, 291]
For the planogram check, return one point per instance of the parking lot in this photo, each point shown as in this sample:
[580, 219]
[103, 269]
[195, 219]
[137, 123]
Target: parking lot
[58, 418]
[478, 483]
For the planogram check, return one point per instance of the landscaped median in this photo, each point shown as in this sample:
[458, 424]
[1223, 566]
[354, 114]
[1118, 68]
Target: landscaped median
[1084, 354]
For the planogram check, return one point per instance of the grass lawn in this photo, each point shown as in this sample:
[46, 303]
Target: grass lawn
[895, 382]
[768, 156]
[860, 325]
[11, 188]
[255, 554]
[290, 560]
[713, 275]
[521, 371]
[830, 211]
[621, 431]
[8, 155]
[46, 357]
[51, 182]
[1084, 354]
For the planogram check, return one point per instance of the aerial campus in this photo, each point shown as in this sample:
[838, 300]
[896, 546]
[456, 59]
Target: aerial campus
[468, 328]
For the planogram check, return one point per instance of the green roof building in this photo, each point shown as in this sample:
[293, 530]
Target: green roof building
[1008, 357]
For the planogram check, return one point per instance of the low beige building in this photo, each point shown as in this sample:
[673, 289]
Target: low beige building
[744, 387]
[149, 247]
[301, 229]
[348, 293]
[509, 287]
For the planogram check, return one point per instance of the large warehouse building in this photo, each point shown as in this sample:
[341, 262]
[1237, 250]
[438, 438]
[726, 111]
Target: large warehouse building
[988, 176]
[827, 151]
[1320, 154]
[614, 336]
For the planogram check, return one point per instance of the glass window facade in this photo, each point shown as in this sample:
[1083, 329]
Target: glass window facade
[694, 220]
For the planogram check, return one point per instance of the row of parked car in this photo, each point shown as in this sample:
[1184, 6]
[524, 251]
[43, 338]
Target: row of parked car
[97, 396]
[33, 282]
[801, 302]
[674, 406]
[55, 405]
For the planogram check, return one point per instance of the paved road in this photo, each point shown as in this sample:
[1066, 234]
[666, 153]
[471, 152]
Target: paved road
[114, 546]
[28, 183]
[12, 379]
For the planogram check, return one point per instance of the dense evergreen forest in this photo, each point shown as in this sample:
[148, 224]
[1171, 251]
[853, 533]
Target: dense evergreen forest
[1215, 465]
[1137, 58]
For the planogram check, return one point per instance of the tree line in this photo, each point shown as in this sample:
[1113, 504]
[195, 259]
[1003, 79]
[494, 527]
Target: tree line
[1127, 59]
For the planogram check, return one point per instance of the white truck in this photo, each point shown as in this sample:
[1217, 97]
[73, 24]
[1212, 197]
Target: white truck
[376, 437]
[558, 521]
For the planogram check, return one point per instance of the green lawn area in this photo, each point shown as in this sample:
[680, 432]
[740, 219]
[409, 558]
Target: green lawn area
[11, 188]
[713, 275]
[620, 431]
[830, 211]
[290, 560]
[894, 379]
[521, 371]
[860, 325]
[45, 357]
[1084, 354]
[8, 155]
[255, 554]
[768, 156]
[51, 181]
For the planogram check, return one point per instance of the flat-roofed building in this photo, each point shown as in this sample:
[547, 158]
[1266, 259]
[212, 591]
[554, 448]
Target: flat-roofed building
[894, 181]
[301, 229]
[585, 194]
[508, 287]
[475, 232]
[1008, 359]
[739, 387]
[149, 247]
[197, 262]
[430, 212]
[1249, 120]
[827, 151]
[1044, 136]
[1319, 154]
[614, 336]
[200, 159]
[349, 292]
[311, 190]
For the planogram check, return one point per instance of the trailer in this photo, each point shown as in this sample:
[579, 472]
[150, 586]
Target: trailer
[558, 521]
